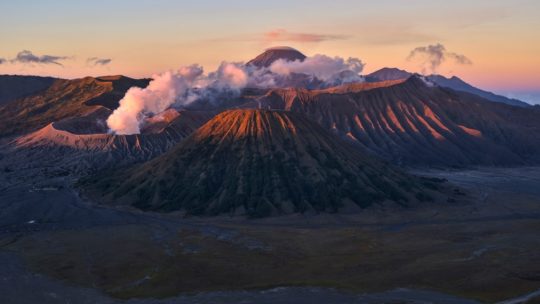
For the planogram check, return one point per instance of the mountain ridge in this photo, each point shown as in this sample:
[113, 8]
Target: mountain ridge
[455, 83]
[414, 123]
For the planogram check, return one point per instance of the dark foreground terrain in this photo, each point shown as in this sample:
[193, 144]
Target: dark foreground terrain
[484, 248]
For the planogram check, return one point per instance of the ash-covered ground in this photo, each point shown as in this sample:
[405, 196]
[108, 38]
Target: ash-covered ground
[57, 248]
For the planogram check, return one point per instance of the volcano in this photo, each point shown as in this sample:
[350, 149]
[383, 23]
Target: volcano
[83, 144]
[259, 163]
[272, 54]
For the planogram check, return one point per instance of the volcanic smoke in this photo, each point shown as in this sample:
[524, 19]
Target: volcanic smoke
[189, 84]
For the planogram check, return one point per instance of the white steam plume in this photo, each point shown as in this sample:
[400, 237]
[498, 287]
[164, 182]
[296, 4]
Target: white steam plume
[189, 84]
[179, 87]
[432, 56]
[327, 69]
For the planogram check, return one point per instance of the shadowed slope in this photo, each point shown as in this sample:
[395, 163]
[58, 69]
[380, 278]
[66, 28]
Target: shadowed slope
[259, 163]
[13, 87]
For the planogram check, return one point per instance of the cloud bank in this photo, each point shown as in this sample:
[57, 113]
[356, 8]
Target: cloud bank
[432, 56]
[282, 35]
[190, 84]
[27, 57]
[98, 61]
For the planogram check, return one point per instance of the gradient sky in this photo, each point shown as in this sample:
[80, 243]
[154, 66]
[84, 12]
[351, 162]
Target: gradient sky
[501, 38]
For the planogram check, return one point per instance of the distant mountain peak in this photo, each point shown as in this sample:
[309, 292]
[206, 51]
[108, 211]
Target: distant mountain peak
[454, 83]
[390, 69]
[281, 48]
[272, 54]
[387, 73]
[458, 84]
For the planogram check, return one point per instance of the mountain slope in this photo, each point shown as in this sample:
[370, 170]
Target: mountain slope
[259, 163]
[414, 123]
[63, 99]
[458, 84]
[453, 83]
[14, 86]
[272, 54]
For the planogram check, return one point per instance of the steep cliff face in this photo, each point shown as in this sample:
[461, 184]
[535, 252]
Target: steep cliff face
[260, 163]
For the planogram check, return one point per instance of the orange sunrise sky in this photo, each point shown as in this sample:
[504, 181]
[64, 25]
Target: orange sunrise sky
[140, 38]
